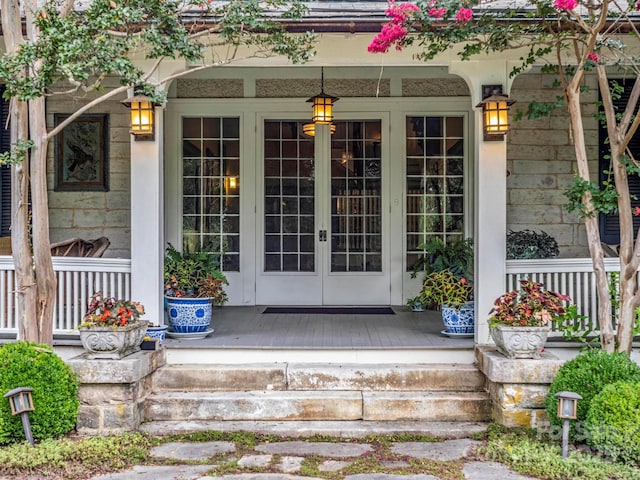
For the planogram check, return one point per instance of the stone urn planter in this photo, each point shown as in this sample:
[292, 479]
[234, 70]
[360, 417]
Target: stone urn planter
[459, 320]
[520, 342]
[112, 342]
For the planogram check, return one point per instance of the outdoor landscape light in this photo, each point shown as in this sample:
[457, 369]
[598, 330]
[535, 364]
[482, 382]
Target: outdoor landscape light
[21, 404]
[567, 410]
[322, 110]
[495, 112]
[142, 117]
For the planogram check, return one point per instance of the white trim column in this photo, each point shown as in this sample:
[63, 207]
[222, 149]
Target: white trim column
[490, 189]
[147, 226]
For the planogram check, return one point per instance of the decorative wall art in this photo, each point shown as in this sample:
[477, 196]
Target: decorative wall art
[81, 154]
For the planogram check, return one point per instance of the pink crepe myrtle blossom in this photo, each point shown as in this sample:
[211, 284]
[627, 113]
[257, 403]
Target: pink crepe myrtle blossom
[565, 4]
[638, 6]
[437, 12]
[636, 211]
[400, 13]
[391, 33]
[464, 15]
[593, 56]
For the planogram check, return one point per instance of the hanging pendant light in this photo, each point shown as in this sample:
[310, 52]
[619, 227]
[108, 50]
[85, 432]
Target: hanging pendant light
[322, 110]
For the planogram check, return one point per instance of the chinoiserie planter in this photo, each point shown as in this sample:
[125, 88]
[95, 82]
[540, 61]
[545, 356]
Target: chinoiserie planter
[520, 342]
[159, 332]
[189, 315]
[113, 342]
[458, 320]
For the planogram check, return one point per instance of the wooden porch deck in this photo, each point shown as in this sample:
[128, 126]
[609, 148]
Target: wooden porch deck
[244, 332]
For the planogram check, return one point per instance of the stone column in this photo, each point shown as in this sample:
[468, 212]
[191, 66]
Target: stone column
[113, 392]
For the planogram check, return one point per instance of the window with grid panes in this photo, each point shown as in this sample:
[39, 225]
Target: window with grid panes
[211, 187]
[434, 181]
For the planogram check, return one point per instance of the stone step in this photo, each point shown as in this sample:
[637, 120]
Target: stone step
[338, 429]
[318, 405]
[314, 376]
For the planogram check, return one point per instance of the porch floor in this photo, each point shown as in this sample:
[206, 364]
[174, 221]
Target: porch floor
[248, 327]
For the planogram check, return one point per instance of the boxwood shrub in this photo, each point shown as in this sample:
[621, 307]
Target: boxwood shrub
[55, 391]
[613, 422]
[586, 375]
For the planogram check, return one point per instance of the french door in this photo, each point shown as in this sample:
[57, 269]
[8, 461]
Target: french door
[321, 236]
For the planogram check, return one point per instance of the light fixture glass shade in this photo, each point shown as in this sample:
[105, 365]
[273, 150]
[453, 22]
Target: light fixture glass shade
[495, 115]
[142, 116]
[322, 111]
[568, 404]
[20, 400]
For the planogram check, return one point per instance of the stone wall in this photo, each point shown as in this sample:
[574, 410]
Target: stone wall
[518, 388]
[91, 214]
[541, 164]
[113, 392]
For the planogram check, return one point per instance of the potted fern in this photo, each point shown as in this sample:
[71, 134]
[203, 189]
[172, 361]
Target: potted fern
[193, 283]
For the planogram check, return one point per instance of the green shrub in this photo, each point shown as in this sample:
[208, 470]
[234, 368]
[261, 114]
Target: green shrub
[55, 391]
[613, 422]
[586, 375]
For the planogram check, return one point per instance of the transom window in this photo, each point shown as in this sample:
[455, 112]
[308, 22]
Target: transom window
[211, 187]
[434, 181]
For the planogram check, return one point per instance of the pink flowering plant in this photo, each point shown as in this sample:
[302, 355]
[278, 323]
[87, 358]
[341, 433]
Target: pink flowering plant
[530, 306]
[109, 312]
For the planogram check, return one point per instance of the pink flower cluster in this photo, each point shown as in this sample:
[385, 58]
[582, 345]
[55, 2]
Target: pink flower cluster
[394, 31]
[565, 4]
[437, 12]
[593, 56]
[464, 15]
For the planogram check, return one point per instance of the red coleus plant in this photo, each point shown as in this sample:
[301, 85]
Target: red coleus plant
[109, 312]
[531, 306]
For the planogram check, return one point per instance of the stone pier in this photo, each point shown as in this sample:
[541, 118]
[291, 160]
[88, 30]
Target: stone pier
[518, 388]
[113, 392]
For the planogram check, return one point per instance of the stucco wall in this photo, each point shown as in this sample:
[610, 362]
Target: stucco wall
[90, 215]
[541, 164]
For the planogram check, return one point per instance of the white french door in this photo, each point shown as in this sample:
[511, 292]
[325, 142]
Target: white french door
[322, 236]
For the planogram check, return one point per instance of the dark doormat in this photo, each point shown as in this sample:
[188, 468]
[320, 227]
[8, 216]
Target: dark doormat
[333, 310]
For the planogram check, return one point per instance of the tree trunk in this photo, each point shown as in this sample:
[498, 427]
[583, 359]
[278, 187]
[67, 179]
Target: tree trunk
[45, 276]
[591, 221]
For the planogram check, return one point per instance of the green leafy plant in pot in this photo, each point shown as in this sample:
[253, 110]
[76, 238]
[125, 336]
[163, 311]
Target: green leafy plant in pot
[448, 282]
[193, 283]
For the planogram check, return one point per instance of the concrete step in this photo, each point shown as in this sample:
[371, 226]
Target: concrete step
[315, 376]
[318, 405]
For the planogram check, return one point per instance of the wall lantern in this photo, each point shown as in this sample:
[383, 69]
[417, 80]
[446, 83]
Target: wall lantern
[231, 184]
[142, 117]
[21, 404]
[322, 110]
[567, 410]
[310, 129]
[495, 112]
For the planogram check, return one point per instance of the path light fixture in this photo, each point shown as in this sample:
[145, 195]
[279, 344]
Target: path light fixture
[142, 117]
[495, 112]
[21, 404]
[567, 410]
[322, 110]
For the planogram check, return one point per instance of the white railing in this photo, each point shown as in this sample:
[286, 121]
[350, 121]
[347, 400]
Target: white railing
[78, 278]
[571, 276]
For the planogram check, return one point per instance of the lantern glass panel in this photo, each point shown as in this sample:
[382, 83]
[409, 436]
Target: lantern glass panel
[322, 110]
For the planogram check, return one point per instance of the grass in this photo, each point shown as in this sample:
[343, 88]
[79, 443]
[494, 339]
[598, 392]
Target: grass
[523, 451]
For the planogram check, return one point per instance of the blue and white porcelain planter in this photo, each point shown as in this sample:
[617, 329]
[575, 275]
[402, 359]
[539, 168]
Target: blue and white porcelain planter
[189, 315]
[158, 332]
[458, 320]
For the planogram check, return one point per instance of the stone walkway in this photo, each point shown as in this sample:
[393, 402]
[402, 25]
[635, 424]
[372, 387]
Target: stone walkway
[289, 459]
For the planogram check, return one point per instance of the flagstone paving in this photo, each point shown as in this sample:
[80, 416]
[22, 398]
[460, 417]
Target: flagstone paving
[286, 458]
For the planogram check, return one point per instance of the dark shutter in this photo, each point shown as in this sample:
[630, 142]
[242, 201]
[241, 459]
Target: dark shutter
[5, 171]
[609, 226]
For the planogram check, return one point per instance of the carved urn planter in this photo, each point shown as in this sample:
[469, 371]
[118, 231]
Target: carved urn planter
[112, 342]
[520, 342]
